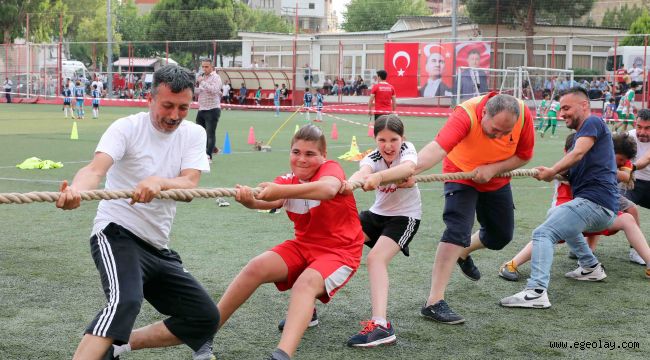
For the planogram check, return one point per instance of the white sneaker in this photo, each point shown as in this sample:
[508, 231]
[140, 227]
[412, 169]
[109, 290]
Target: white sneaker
[529, 298]
[588, 274]
[635, 257]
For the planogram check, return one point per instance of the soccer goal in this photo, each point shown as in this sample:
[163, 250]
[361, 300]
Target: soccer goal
[471, 82]
[534, 82]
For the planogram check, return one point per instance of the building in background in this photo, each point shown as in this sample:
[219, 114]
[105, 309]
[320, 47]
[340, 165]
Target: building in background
[439, 7]
[145, 6]
[314, 16]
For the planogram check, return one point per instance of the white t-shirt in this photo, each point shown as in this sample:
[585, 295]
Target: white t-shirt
[391, 200]
[641, 149]
[139, 151]
[100, 85]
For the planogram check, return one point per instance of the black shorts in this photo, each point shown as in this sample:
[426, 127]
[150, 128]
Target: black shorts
[400, 229]
[494, 211]
[66, 102]
[132, 270]
[95, 106]
[640, 195]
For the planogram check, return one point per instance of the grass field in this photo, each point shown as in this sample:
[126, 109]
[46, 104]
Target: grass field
[49, 288]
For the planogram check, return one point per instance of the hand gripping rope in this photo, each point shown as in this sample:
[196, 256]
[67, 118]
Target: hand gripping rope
[189, 194]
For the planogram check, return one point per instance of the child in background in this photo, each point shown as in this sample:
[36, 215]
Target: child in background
[258, 96]
[308, 98]
[541, 111]
[319, 104]
[551, 115]
[96, 94]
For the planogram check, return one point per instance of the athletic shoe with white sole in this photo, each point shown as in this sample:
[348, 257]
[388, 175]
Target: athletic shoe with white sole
[373, 335]
[313, 322]
[529, 298]
[509, 271]
[441, 312]
[595, 273]
[221, 202]
[635, 257]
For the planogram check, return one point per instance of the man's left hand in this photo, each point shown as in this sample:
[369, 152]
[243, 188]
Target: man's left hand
[483, 174]
[544, 173]
[146, 190]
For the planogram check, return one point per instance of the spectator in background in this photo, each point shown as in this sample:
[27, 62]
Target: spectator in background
[636, 72]
[359, 86]
[225, 91]
[258, 96]
[242, 94]
[284, 92]
[327, 86]
[309, 77]
[6, 86]
[208, 88]
[335, 87]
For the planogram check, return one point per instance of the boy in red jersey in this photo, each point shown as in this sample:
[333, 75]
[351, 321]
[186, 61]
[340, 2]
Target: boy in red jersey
[328, 243]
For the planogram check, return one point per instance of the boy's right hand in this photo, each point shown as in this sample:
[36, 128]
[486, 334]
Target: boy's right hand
[69, 198]
[244, 195]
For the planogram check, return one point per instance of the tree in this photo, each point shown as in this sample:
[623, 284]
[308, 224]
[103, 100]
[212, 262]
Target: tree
[94, 30]
[43, 19]
[525, 13]
[369, 15]
[622, 17]
[133, 28]
[640, 26]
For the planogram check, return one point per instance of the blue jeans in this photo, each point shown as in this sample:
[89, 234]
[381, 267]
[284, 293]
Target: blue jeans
[566, 222]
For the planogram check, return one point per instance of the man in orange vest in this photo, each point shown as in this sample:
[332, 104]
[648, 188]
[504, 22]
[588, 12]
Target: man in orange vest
[486, 135]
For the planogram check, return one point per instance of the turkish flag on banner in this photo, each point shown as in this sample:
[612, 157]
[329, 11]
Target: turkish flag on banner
[401, 64]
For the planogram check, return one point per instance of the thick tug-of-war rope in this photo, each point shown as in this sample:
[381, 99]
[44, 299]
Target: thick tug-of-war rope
[189, 194]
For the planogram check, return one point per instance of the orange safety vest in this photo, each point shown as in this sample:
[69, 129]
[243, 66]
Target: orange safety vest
[478, 149]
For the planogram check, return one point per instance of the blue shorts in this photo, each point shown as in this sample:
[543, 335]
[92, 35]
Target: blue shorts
[80, 103]
[494, 211]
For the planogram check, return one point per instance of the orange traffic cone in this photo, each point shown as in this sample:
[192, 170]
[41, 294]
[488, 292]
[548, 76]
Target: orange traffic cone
[335, 132]
[251, 136]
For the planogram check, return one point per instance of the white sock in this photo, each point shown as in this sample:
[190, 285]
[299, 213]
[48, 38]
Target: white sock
[121, 349]
[380, 321]
[65, 111]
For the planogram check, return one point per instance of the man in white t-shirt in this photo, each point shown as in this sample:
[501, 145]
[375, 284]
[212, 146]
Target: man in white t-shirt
[6, 86]
[148, 152]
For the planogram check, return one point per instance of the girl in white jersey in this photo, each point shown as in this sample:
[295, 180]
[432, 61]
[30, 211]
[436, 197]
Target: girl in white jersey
[391, 222]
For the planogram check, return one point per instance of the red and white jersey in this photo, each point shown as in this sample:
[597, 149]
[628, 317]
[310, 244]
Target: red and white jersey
[330, 223]
[562, 193]
[389, 199]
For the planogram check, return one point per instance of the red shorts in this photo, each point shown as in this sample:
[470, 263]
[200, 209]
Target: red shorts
[335, 266]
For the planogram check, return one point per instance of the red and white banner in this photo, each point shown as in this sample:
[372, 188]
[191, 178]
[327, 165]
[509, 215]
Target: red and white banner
[436, 69]
[401, 63]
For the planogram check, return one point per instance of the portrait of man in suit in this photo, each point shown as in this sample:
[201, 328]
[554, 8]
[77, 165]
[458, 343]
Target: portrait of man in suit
[473, 82]
[433, 84]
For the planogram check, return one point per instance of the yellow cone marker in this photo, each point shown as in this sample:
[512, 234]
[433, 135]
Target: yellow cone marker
[74, 135]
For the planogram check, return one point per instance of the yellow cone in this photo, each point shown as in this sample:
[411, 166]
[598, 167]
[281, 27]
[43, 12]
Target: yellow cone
[354, 151]
[297, 128]
[74, 135]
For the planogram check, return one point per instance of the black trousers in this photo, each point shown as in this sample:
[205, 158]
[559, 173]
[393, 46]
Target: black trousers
[209, 119]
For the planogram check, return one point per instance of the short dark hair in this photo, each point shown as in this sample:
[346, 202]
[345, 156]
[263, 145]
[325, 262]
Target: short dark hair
[643, 115]
[624, 144]
[391, 122]
[474, 51]
[576, 90]
[311, 133]
[568, 142]
[177, 78]
[382, 74]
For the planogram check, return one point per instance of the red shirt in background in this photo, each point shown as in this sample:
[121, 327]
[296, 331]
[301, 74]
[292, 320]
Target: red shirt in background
[384, 93]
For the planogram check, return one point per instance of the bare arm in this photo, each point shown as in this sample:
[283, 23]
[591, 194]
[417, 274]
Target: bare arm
[325, 188]
[643, 161]
[371, 103]
[429, 156]
[245, 197]
[394, 103]
[400, 172]
[582, 146]
[87, 178]
[150, 187]
[623, 176]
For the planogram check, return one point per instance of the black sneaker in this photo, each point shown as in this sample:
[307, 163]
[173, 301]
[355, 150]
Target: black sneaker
[373, 335]
[312, 323]
[441, 312]
[468, 268]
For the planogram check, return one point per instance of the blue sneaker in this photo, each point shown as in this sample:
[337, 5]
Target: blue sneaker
[373, 335]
